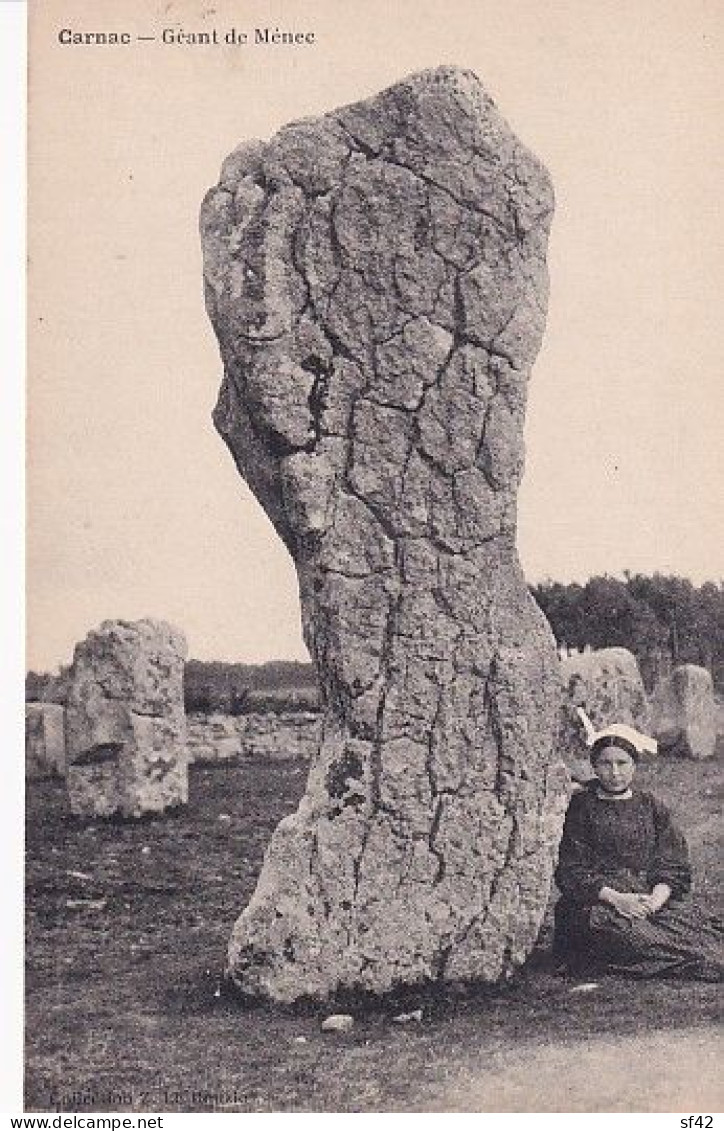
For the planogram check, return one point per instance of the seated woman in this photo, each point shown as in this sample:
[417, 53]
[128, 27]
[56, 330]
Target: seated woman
[624, 876]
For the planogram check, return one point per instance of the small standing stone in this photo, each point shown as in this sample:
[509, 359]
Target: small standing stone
[125, 723]
[607, 684]
[44, 740]
[684, 713]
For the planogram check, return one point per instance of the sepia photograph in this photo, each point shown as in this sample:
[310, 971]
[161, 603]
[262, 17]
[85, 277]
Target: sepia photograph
[374, 665]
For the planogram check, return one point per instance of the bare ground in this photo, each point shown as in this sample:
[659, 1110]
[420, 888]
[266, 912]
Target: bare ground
[127, 925]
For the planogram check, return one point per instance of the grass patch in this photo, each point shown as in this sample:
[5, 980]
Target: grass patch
[127, 925]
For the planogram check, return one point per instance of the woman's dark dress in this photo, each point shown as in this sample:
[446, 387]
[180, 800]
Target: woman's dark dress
[630, 845]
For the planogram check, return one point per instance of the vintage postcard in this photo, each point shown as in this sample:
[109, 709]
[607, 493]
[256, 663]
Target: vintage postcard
[374, 573]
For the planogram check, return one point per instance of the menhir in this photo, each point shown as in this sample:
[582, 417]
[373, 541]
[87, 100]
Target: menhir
[377, 282]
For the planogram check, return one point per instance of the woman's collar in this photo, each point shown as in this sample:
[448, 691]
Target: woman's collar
[603, 796]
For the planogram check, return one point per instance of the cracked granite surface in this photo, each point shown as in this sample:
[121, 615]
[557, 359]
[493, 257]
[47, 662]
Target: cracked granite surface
[125, 725]
[377, 282]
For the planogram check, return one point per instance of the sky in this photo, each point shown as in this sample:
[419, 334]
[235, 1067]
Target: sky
[134, 505]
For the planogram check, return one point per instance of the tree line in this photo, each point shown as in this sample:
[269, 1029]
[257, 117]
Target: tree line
[240, 689]
[664, 620]
[215, 686]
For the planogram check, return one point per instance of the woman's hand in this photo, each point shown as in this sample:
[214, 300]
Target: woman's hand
[630, 904]
[656, 900]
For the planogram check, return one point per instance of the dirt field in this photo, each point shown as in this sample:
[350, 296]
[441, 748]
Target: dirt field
[127, 925]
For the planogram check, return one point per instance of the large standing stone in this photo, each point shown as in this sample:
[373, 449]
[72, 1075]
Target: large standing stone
[44, 740]
[377, 282]
[607, 684]
[125, 723]
[684, 713]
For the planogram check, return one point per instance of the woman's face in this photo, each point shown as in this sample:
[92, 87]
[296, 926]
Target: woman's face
[614, 769]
